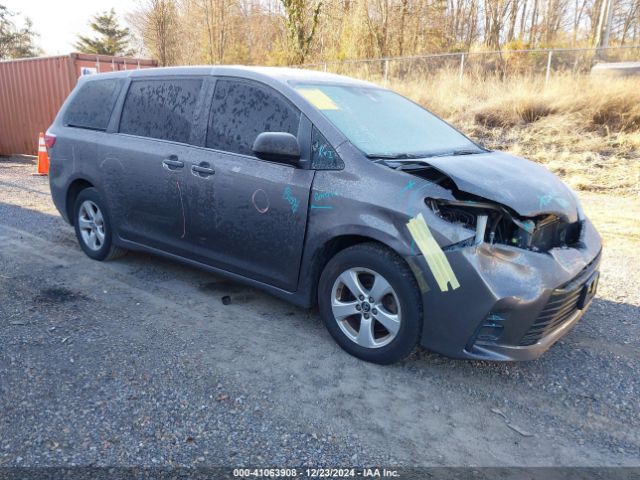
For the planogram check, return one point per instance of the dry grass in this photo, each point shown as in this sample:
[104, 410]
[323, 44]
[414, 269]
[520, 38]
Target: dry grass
[616, 218]
[587, 130]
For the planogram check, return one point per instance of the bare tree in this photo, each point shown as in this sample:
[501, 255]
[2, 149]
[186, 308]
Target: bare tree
[157, 23]
[301, 21]
[298, 31]
[578, 13]
[630, 20]
[216, 13]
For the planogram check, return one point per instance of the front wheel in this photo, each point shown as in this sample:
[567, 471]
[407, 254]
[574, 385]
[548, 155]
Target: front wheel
[370, 303]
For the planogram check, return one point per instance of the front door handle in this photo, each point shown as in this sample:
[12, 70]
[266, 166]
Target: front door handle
[202, 171]
[172, 163]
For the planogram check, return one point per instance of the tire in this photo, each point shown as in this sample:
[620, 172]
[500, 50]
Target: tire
[91, 216]
[393, 322]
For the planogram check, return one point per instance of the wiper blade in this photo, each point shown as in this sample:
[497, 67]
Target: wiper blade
[393, 156]
[382, 157]
[404, 163]
[459, 152]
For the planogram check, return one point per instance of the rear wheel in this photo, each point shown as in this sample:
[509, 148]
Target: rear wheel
[93, 226]
[371, 304]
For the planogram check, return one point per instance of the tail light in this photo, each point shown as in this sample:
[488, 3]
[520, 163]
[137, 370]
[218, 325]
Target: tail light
[49, 140]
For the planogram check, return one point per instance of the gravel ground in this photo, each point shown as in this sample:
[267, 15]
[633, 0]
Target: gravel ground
[138, 362]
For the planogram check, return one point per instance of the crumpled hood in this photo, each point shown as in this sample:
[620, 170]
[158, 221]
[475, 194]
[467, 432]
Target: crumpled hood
[523, 185]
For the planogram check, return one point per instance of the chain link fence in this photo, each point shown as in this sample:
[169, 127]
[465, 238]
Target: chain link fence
[502, 64]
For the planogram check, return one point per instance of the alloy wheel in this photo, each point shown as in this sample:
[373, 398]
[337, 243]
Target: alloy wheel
[91, 225]
[366, 307]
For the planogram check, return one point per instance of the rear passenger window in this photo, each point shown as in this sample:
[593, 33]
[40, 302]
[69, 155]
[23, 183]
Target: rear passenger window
[91, 107]
[242, 110]
[161, 109]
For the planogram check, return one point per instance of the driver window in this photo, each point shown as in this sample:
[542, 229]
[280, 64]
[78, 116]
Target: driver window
[242, 110]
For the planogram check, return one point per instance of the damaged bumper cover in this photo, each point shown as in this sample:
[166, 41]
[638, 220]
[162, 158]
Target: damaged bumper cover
[512, 303]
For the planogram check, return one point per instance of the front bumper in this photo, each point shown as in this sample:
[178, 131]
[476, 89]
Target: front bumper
[512, 304]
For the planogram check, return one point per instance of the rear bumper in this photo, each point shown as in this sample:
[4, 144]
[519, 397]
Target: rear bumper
[512, 304]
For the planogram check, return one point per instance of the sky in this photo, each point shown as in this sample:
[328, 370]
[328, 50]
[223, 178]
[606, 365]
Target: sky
[59, 22]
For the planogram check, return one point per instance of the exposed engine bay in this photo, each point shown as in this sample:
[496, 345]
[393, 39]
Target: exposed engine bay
[492, 221]
[496, 224]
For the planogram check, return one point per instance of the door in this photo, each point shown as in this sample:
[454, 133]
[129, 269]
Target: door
[147, 164]
[249, 217]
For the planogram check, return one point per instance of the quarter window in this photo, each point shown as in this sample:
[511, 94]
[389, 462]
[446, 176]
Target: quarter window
[323, 155]
[91, 107]
[242, 110]
[161, 109]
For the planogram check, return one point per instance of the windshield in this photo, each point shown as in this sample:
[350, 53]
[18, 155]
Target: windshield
[383, 124]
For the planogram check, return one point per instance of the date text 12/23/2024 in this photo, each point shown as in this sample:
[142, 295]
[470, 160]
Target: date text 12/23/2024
[315, 473]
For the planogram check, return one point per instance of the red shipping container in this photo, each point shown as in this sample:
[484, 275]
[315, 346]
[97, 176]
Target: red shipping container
[32, 91]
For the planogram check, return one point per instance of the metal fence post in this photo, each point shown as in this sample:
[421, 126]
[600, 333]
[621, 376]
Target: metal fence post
[461, 67]
[546, 78]
[386, 70]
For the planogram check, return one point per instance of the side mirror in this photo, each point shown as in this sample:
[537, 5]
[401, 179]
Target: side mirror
[279, 147]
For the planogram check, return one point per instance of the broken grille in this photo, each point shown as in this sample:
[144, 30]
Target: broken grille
[560, 308]
[562, 305]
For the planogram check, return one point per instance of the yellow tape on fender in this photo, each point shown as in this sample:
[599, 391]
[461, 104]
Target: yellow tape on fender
[433, 254]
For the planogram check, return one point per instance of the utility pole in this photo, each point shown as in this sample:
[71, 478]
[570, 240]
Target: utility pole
[607, 28]
[597, 41]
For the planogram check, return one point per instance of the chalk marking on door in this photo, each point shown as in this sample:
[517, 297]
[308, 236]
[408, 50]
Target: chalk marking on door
[184, 219]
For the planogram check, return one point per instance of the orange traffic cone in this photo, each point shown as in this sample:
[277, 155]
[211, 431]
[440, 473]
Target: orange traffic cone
[43, 157]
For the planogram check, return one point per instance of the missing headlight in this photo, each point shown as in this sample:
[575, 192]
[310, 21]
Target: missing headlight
[496, 224]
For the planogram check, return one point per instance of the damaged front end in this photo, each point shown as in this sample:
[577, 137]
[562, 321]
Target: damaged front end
[495, 224]
[524, 255]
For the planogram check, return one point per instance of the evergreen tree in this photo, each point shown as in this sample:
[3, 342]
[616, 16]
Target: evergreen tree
[112, 39]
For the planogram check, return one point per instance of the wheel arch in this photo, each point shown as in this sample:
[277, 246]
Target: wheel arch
[74, 189]
[332, 246]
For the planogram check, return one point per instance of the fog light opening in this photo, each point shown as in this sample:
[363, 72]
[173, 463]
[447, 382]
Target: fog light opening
[491, 329]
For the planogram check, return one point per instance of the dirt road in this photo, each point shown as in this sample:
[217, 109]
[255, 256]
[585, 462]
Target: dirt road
[138, 361]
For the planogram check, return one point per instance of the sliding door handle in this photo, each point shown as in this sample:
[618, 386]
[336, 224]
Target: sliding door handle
[202, 171]
[172, 163]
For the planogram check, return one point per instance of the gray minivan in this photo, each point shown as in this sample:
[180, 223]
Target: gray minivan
[329, 191]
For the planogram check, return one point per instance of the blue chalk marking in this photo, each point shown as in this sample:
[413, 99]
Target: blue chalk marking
[317, 196]
[409, 185]
[293, 201]
[547, 199]
[412, 195]
[326, 152]
[321, 206]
